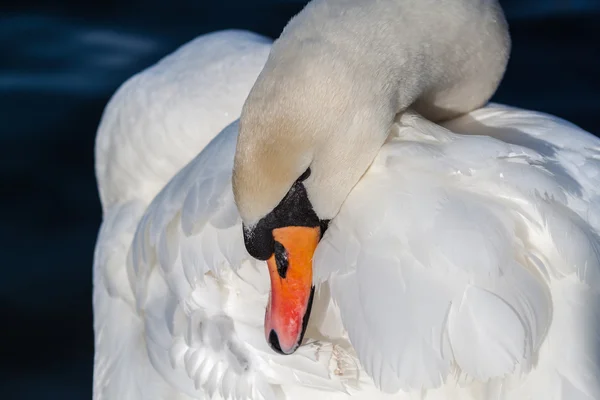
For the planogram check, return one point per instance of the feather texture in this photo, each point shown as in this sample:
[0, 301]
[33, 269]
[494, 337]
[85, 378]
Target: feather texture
[463, 265]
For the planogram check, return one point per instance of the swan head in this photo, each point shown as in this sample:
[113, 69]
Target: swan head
[303, 144]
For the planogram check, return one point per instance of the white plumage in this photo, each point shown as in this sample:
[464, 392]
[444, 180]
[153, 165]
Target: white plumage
[463, 265]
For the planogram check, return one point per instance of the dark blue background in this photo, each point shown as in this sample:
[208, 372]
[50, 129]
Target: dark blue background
[60, 62]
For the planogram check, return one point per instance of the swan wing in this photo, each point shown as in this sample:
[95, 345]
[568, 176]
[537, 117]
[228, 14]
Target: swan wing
[447, 257]
[155, 124]
[162, 117]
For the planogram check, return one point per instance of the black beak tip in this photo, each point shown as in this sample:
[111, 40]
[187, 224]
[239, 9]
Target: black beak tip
[274, 342]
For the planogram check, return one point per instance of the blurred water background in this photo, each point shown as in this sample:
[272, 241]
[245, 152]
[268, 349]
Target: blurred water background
[59, 63]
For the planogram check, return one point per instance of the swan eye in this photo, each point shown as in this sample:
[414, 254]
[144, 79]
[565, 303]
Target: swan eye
[304, 176]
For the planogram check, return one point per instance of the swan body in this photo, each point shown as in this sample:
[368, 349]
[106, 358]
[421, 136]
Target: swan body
[464, 264]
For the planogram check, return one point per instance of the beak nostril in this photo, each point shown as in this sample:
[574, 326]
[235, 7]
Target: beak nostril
[274, 342]
[281, 259]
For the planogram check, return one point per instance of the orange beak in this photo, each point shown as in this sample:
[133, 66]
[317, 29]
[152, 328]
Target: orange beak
[290, 269]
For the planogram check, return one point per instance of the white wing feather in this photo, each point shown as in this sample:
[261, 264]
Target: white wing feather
[446, 258]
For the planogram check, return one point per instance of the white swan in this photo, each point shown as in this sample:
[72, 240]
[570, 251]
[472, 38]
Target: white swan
[463, 265]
